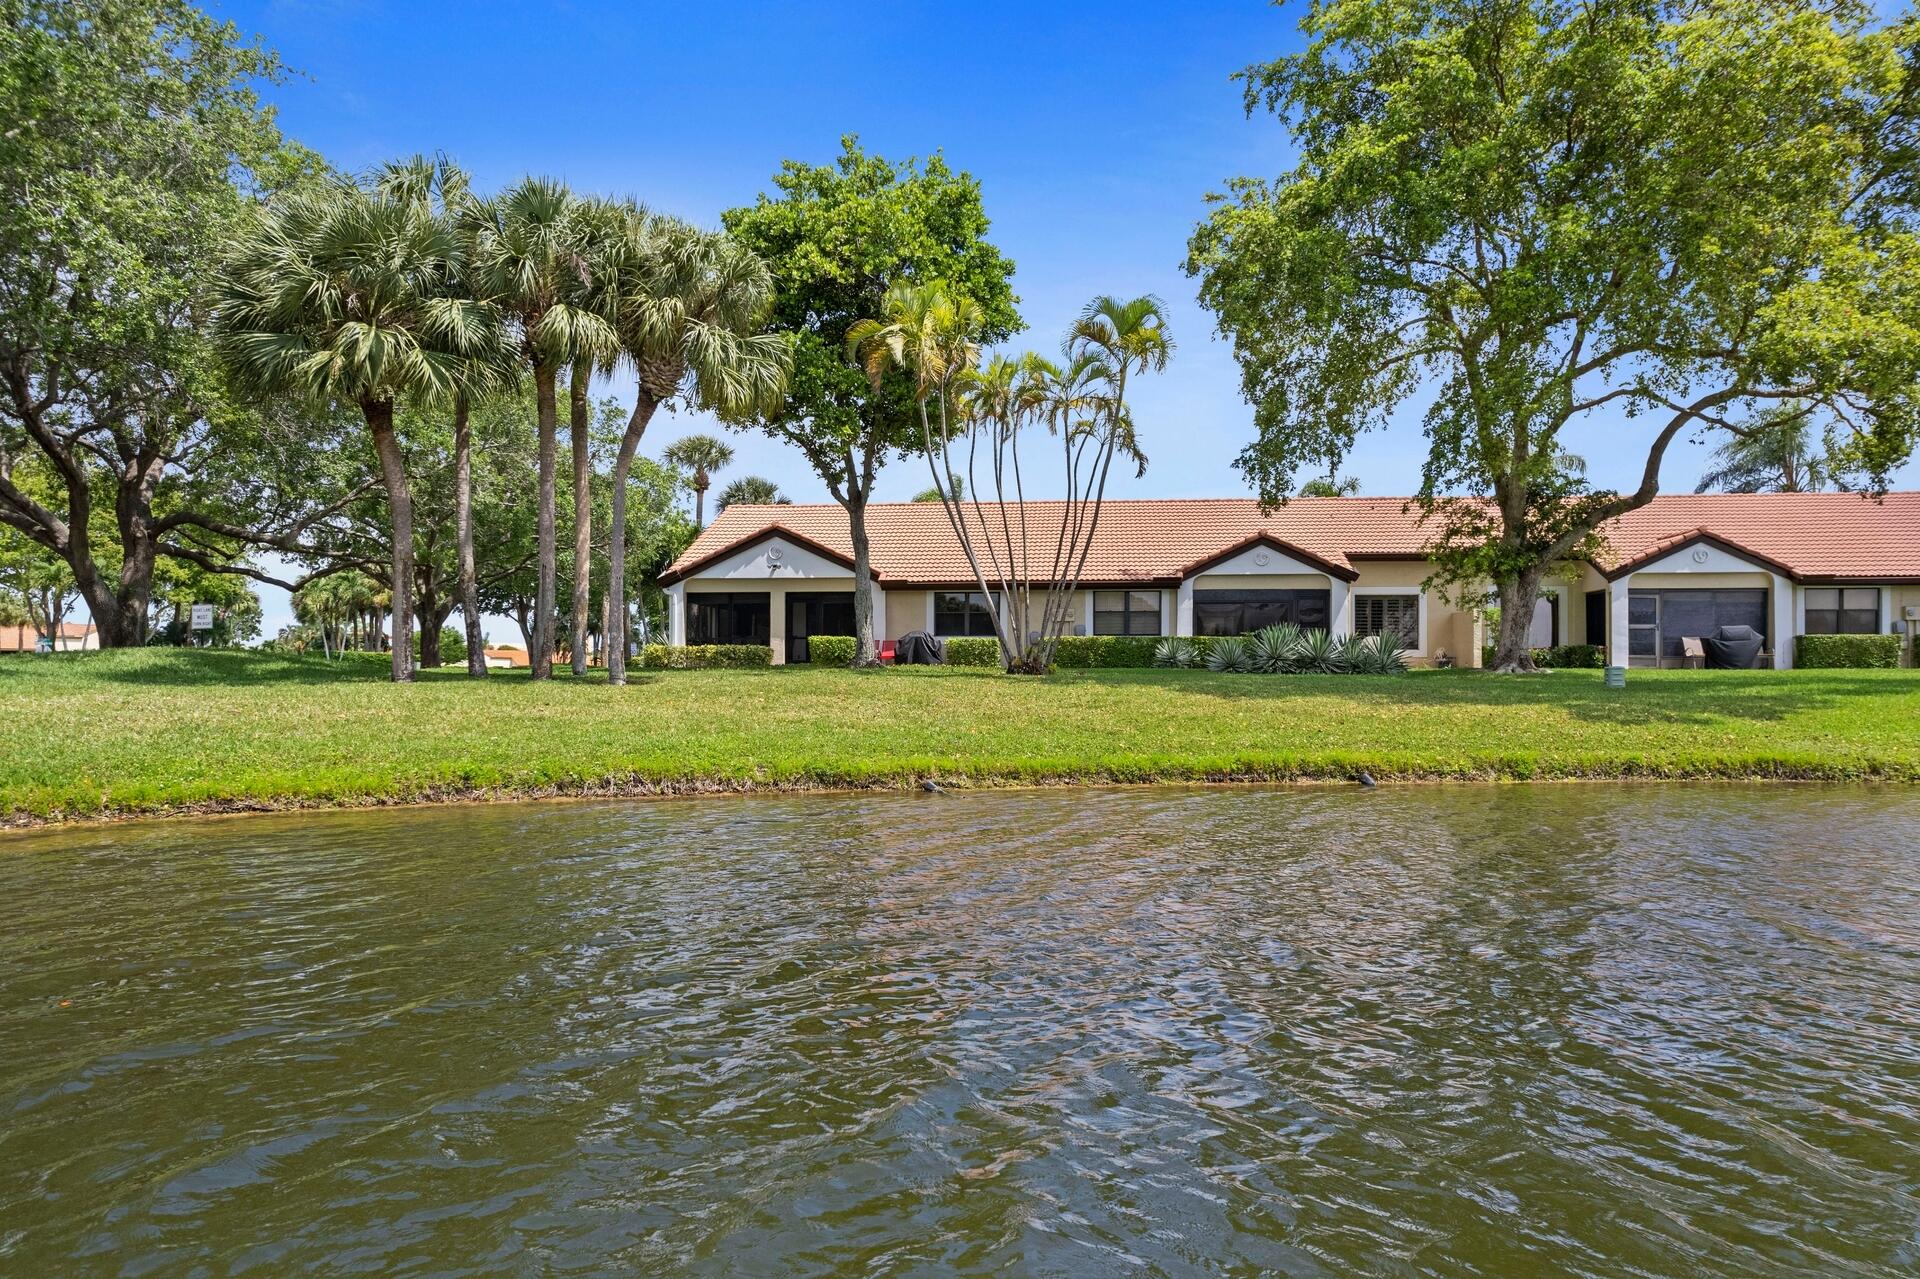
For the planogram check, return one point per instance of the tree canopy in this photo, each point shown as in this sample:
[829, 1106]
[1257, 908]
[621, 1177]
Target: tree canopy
[1530, 214]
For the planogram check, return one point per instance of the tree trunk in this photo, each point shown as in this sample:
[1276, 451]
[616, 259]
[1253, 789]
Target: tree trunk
[1518, 595]
[582, 513]
[463, 515]
[606, 625]
[643, 407]
[379, 415]
[865, 651]
[543, 593]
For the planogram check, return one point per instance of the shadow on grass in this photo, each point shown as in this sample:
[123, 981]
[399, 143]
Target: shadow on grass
[1669, 697]
[241, 668]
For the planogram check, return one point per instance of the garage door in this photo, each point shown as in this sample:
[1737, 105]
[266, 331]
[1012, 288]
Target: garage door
[1658, 620]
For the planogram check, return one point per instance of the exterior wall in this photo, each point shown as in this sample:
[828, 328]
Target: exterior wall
[1706, 568]
[1445, 626]
[1903, 598]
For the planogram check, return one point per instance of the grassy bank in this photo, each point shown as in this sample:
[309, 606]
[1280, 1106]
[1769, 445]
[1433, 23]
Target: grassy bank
[160, 730]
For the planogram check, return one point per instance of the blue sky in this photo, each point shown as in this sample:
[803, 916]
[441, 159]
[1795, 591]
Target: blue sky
[1095, 130]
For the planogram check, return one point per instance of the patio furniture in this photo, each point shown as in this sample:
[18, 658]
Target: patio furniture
[1692, 652]
[1734, 648]
[918, 648]
[888, 650]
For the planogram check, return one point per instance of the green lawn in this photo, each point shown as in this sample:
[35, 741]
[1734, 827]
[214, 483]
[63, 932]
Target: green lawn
[166, 729]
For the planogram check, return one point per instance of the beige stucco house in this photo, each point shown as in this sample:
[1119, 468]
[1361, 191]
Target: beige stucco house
[1785, 564]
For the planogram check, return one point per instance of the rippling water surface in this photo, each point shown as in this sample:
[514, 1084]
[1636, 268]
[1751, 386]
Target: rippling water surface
[1437, 1031]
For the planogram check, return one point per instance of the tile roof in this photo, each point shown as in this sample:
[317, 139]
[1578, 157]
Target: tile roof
[1813, 535]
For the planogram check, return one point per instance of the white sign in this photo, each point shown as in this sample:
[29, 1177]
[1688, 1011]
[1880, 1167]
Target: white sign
[203, 617]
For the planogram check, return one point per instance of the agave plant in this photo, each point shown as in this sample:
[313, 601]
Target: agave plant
[1355, 654]
[1230, 653]
[1320, 651]
[1390, 654]
[1177, 651]
[1272, 649]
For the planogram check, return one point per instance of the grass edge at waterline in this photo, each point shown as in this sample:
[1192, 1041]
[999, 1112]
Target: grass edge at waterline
[156, 731]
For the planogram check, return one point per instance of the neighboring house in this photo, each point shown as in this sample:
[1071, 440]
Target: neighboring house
[503, 658]
[1784, 563]
[72, 637]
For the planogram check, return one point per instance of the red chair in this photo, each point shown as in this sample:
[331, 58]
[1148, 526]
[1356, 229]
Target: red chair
[887, 651]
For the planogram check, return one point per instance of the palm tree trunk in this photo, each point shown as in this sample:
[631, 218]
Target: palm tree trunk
[463, 513]
[700, 500]
[543, 592]
[582, 513]
[643, 407]
[379, 415]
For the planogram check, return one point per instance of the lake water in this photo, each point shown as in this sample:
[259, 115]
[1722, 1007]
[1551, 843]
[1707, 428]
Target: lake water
[1490, 1031]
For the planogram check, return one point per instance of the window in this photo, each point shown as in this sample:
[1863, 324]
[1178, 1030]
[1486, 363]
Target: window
[1854, 610]
[1126, 612]
[961, 613]
[1379, 614]
[1242, 612]
[728, 617]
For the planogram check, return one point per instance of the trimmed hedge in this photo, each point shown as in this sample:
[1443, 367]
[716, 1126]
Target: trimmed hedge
[1835, 652]
[1572, 657]
[700, 657]
[1074, 652]
[972, 650]
[1566, 657]
[831, 650]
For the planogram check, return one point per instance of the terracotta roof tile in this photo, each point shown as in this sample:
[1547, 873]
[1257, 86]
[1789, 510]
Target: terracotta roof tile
[1815, 535]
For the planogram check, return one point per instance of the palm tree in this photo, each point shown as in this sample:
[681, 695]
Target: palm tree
[750, 490]
[443, 187]
[1775, 453]
[536, 260]
[702, 455]
[341, 294]
[691, 304]
[955, 486]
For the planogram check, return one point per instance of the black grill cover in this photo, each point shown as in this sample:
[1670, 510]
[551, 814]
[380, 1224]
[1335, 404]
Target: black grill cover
[1733, 648]
[917, 648]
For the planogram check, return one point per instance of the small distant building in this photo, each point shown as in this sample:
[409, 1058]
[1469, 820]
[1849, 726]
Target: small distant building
[68, 637]
[500, 658]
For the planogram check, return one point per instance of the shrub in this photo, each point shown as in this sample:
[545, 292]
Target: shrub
[1105, 651]
[972, 650]
[1570, 657]
[696, 657]
[1176, 651]
[1846, 651]
[831, 650]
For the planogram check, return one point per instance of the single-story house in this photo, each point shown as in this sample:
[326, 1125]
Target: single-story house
[69, 637]
[505, 658]
[1785, 564]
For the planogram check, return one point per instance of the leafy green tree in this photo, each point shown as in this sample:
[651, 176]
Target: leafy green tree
[1537, 212]
[691, 305]
[751, 490]
[133, 144]
[536, 253]
[836, 237]
[343, 295]
[700, 456]
[1774, 453]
